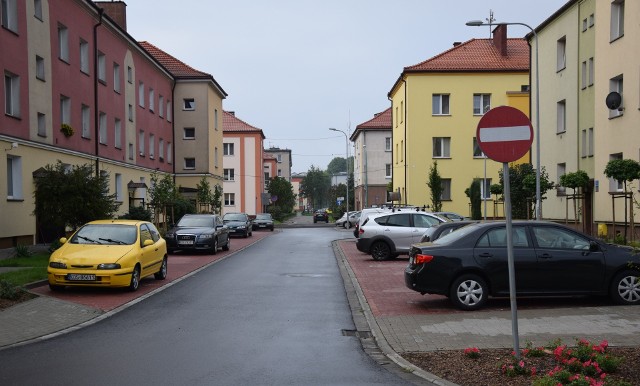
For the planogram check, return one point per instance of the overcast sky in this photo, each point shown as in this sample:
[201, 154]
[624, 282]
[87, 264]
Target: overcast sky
[295, 68]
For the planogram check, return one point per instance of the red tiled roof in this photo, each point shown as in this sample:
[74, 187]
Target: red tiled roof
[175, 66]
[381, 120]
[232, 124]
[478, 55]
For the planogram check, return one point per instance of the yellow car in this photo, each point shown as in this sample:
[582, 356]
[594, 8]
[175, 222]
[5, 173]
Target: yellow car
[109, 253]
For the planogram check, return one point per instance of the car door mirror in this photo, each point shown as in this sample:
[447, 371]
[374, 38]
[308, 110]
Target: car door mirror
[593, 246]
[147, 242]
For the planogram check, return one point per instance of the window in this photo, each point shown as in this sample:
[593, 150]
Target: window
[10, 15]
[556, 238]
[189, 133]
[189, 163]
[614, 185]
[85, 121]
[141, 94]
[279, 172]
[152, 96]
[401, 111]
[63, 43]
[229, 175]
[485, 188]
[84, 56]
[441, 147]
[152, 146]
[130, 151]
[42, 125]
[446, 189]
[440, 104]
[169, 152]
[616, 84]
[189, 104]
[117, 129]
[14, 177]
[12, 94]
[160, 106]
[583, 148]
[37, 9]
[130, 113]
[169, 111]
[590, 140]
[129, 74]
[395, 117]
[161, 149]
[387, 171]
[118, 187]
[477, 151]
[102, 128]
[591, 71]
[40, 68]
[617, 19]
[65, 109]
[561, 124]
[387, 144]
[215, 157]
[141, 143]
[584, 75]
[229, 199]
[481, 103]
[227, 149]
[279, 158]
[584, 25]
[102, 67]
[215, 119]
[561, 170]
[561, 60]
[116, 77]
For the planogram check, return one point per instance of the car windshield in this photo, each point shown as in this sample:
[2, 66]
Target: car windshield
[263, 217]
[197, 222]
[234, 217]
[454, 236]
[105, 234]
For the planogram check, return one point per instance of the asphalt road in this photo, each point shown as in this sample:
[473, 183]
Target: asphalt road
[273, 314]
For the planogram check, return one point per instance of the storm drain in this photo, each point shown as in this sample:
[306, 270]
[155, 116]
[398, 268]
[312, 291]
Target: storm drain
[359, 334]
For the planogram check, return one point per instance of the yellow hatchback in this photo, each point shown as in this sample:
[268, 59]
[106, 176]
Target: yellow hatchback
[109, 253]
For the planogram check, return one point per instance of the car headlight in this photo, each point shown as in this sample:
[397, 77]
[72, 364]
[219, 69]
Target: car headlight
[168, 235]
[55, 264]
[109, 266]
[205, 236]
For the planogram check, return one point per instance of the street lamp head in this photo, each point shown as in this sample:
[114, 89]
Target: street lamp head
[475, 23]
[332, 129]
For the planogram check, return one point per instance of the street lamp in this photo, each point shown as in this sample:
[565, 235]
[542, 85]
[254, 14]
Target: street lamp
[478, 23]
[346, 141]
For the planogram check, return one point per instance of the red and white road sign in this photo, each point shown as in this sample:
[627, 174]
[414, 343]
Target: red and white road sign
[504, 134]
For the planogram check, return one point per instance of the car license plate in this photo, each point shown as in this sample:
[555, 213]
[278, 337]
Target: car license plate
[185, 242]
[262, 225]
[80, 277]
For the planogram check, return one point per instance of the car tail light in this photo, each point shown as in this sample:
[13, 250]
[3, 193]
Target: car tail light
[360, 231]
[421, 259]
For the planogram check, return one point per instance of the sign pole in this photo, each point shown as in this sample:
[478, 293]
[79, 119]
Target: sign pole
[512, 274]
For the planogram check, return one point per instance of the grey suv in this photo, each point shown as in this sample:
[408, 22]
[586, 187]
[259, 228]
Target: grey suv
[387, 235]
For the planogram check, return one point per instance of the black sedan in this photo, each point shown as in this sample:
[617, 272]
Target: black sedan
[470, 264]
[263, 220]
[320, 215]
[239, 224]
[198, 232]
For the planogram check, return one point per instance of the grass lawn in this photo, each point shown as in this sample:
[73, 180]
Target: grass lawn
[35, 268]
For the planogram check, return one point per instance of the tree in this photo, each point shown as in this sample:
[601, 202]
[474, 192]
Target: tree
[575, 181]
[285, 198]
[337, 165]
[315, 186]
[523, 188]
[623, 170]
[216, 200]
[204, 196]
[496, 190]
[165, 195]
[474, 195]
[435, 186]
[68, 198]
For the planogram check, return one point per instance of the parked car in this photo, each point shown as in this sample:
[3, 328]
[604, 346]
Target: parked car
[239, 224]
[386, 235]
[353, 218]
[442, 229]
[366, 212]
[320, 215]
[109, 253]
[452, 216]
[470, 264]
[263, 220]
[198, 232]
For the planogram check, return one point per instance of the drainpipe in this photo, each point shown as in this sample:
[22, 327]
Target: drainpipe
[404, 151]
[95, 91]
[366, 175]
[173, 131]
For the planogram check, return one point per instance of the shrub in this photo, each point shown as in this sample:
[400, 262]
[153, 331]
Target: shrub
[8, 290]
[23, 251]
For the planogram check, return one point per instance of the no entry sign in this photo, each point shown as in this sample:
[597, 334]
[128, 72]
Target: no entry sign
[504, 134]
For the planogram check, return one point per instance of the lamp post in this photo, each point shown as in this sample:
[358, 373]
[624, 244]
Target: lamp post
[346, 141]
[478, 23]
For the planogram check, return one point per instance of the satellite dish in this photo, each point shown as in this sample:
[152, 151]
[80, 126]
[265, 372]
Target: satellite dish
[614, 100]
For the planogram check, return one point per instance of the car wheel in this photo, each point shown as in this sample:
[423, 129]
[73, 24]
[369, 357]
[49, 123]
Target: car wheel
[227, 245]
[135, 279]
[56, 288]
[469, 292]
[315, 221]
[380, 251]
[162, 273]
[625, 288]
[214, 247]
[271, 229]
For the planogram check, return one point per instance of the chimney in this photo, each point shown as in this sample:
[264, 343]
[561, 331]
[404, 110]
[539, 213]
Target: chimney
[116, 10]
[456, 44]
[232, 113]
[500, 39]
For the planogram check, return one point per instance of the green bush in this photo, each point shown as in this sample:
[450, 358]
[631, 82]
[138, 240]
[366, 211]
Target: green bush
[137, 213]
[22, 251]
[8, 290]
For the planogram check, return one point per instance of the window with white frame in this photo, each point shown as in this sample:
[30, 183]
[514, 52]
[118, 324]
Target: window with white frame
[229, 199]
[42, 125]
[481, 103]
[440, 104]
[590, 141]
[118, 187]
[561, 170]
[14, 177]
[10, 15]
[615, 185]
[189, 163]
[279, 172]
[583, 147]
[152, 146]
[40, 74]
[63, 43]
[189, 133]
[152, 96]
[102, 127]
[37, 9]
[617, 19]
[591, 20]
[446, 189]
[279, 158]
[102, 67]
[215, 119]
[169, 111]
[229, 175]
[485, 188]
[11, 94]
[591, 71]
[477, 151]
[561, 121]
[84, 56]
[169, 152]
[161, 149]
[616, 85]
[561, 59]
[141, 94]
[116, 77]
[189, 104]
[117, 130]
[215, 157]
[129, 74]
[65, 109]
[583, 74]
[130, 112]
[160, 106]
[141, 143]
[227, 149]
[387, 144]
[85, 120]
[584, 24]
[441, 147]
[388, 170]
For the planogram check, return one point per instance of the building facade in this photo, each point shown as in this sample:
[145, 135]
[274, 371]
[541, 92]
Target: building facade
[284, 162]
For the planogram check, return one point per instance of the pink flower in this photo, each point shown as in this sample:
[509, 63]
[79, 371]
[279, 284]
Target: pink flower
[521, 363]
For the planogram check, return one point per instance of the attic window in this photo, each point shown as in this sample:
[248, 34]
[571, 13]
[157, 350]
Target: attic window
[189, 104]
